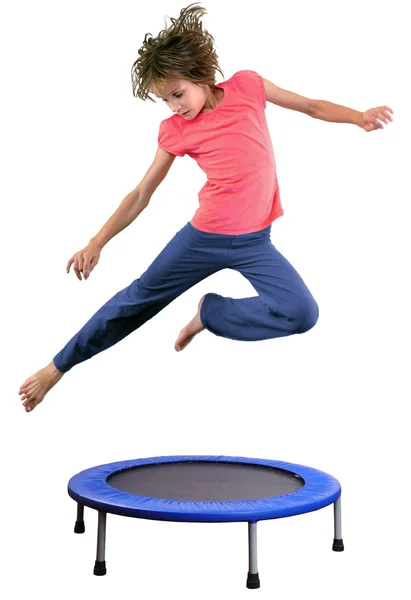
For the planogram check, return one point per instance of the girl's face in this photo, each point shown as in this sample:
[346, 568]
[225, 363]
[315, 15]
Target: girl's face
[186, 98]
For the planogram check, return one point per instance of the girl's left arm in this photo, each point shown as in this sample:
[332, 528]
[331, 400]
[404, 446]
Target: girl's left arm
[327, 111]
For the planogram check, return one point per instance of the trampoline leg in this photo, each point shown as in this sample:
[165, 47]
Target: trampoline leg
[79, 526]
[253, 580]
[338, 545]
[100, 564]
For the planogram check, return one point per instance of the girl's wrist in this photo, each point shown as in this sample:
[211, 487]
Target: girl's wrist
[95, 242]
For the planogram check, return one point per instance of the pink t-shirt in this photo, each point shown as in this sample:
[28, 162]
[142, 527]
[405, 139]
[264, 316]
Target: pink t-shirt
[232, 145]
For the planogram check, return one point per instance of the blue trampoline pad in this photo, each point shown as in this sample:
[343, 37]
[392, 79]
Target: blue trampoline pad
[204, 488]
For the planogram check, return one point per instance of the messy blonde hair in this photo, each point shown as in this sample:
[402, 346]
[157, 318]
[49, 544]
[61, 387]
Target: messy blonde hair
[181, 51]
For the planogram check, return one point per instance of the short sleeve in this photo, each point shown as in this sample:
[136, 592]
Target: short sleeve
[170, 137]
[251, 83]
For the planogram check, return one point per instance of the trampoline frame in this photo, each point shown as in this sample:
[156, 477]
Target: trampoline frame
[253, 579]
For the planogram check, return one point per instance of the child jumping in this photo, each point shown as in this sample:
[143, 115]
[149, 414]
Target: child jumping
[224, 129]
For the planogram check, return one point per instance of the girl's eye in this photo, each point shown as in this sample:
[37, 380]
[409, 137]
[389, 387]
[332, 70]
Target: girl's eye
[176, 95]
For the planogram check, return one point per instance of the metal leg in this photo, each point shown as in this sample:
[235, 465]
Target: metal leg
[253, 580]
[79, 526]
[338, 545]
[100, 564]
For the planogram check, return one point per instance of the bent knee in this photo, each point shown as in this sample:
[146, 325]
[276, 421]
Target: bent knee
[308, 316]
[305, 315]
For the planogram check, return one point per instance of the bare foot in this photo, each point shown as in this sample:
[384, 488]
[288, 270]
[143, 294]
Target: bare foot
[190, 330]
[36, 387]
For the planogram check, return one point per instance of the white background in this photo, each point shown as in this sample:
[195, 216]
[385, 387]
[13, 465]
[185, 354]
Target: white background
[74, 142]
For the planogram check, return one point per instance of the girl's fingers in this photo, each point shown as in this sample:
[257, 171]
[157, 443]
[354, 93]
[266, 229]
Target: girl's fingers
[382, 116]
[77, 267]
[82, 262]
[86, 270]
[90, 266]
[87, 266]
[70, 262]
[383, 111]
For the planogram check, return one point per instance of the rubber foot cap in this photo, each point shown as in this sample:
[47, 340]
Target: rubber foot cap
[338, 545]
[100, 567]
[253, 581]
[79, 527]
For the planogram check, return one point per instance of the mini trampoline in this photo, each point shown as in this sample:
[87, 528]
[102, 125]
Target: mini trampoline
[204, 489]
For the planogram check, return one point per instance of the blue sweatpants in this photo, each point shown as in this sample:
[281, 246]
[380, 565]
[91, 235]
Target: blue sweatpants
[284, 304]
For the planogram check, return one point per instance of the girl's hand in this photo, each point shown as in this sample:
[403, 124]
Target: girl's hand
[85, 260]
[371, 119]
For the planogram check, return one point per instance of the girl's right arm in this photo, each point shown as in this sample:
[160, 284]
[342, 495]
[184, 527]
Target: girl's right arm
[133, 204]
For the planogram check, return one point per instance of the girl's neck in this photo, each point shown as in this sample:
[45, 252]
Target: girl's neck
[214, 100]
